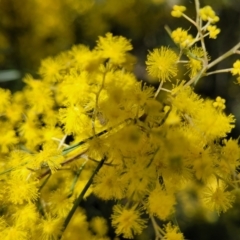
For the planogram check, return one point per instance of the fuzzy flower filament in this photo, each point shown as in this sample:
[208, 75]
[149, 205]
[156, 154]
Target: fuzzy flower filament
[217, 198]
[161, 63]
[127, 221]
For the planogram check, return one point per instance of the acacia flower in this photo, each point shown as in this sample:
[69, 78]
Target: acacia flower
[163, 210]
[230, 153]
[113, 47]
[14, 232]
[26, 216]
[216, 197]
[109, 184]
[4, 100]
[178, 11]
[50, 228]
[127, 221]
[21, 190]
[161, 63]
[182, 38]
[172, 233]
[219, 103]
[99, 226]
[50, 156]
[207, 14]
[50, 69]
[194, 65]
[236, 68]
[213, 31]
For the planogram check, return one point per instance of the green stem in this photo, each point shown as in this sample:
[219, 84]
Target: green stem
[198, 25]
[218, 71]
[95, 112]
[196, 78]
[44, 182]
[197, 6]
[166, 90]
[199, 28]
[158, 231]
[168, 30]
[80, 197]
[152, 158]
[159, 89]
[13, 168]
[76, 178]
[71, 148]
[189, 19]
[39, 203]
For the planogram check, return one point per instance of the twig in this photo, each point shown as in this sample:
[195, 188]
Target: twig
[218, 71]
[158, 235]
[80, 198]
[225, 55]
[159, 89]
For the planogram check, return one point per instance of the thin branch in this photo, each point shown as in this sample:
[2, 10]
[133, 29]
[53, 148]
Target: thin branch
[183, 61]
[190, 20]
[61, 143]
[218, 71]
[225, 55]
[166, 90]
[168, 30]
[64, 163]
[159, 89]
[95, 112]
[197, 7]
[198, 25]
[71, 148]
[158, 235]
[196, 78]
[80, 198]
[107, 164]
[13, 168]
[44, 183]
[199, 28]
[59, 140]
[76, 178]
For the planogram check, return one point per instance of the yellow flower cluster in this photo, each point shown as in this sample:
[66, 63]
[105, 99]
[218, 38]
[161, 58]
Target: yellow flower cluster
[236, 70]
[86, 125]
[216, 197]
[185, 40]
[172, 233]
[195, 63]
[127, 221]
[178, 11]
[114, 48]
[219, 103]
[5, 100]
[162, 63]
[207, 14]
[213, 31]
[182, 38]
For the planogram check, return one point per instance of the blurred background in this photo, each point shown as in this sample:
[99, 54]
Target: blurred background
[31, 30]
